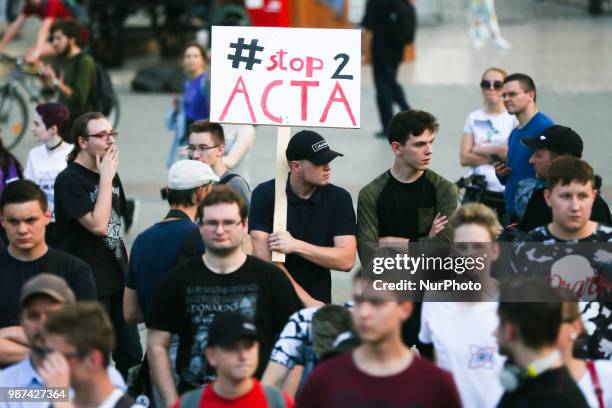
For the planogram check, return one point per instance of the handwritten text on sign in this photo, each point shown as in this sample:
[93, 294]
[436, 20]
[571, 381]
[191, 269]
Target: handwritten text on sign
[286, 76]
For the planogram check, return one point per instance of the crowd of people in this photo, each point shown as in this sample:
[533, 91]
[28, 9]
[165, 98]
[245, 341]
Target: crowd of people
[228, 327]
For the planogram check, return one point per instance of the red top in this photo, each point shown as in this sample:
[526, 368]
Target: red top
[48, 9]
[253, 399]
[338, 383]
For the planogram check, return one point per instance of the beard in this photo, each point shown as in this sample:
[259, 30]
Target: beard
[221, 252]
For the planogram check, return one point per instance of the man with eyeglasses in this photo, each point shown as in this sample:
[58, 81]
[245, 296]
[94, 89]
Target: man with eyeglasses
[224, 279]
[24, 214]
[40, 296]
[520, 100]
[89, 203]
[207, 144]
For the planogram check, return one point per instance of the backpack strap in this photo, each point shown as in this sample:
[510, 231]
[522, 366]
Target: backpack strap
[124, 402]
[274, 397]
[590, 364]
[226, 179]
[192, 398]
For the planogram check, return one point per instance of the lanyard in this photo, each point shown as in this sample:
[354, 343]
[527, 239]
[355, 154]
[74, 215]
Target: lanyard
[590, 364]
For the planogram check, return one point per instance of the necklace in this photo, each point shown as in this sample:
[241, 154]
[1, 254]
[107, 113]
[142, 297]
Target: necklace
[50, 149]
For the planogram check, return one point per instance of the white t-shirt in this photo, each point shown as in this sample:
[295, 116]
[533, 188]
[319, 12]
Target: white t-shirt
[604, 373]
[489, 129]
[463, 339]
[43, 166]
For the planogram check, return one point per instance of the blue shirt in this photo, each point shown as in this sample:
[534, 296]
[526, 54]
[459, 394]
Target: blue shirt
[195, 99]
[154, 252]
[328, 213]
[518, 155]
[23, 374]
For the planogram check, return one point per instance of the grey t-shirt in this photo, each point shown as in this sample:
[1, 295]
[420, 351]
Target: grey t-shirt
[238, 183]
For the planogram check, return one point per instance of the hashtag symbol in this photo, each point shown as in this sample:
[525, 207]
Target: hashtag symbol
[237, 57]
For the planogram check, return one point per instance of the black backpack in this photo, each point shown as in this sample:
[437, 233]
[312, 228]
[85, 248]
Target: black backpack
[402, 22]
[104, 94]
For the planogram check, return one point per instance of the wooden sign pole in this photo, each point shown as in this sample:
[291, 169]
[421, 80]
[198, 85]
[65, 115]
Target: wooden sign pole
[280, 182]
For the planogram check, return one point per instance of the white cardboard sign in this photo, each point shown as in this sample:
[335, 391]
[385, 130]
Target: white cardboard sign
[286, 76]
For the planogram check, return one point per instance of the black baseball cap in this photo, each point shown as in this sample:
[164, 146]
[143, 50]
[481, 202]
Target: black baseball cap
[309, 145]
[558, 139]
[229, 327]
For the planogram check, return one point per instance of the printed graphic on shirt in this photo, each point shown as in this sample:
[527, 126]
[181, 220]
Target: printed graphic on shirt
[113, 239]
[203, 303]
[482, 357]
[46, 182]
[597, 320]
[294, 346]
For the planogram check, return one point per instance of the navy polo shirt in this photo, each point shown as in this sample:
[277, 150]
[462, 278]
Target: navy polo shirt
[317, 220]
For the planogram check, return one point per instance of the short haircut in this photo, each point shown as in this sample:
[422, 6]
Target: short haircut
[410, 123]
[475, 213]
[525, 82]
[69, 28]
[203, 126]
[538, 322]
[80, 128]
[181, 197]
[566, 169]
[500, 71]
[221, 194]
[84, 325]
[55, 114]
[22, 191]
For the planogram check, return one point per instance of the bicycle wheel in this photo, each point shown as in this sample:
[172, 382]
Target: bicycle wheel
[115, 113]
[13, 116]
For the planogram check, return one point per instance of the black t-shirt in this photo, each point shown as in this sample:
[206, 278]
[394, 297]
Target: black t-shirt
[582, 266]
[400, 206]
[328, 213]
[551, 389]
[76, 192]
[538, 213]
[15, 273]
[191, 295]
[377, 18]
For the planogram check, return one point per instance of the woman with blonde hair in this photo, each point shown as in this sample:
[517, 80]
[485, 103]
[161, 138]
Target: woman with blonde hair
[485, 136]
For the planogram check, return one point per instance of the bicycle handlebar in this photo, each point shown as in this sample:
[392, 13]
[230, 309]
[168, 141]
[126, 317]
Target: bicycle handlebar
[11, 59]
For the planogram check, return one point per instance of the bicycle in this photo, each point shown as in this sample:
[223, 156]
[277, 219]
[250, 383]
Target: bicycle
[14, 113]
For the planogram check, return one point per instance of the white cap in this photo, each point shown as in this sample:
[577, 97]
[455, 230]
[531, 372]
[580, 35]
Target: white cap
[188, 174]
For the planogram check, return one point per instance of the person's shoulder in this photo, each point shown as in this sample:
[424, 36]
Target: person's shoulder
[70, 262]
[604, 233]
[437, 180]
[538, 234]
[333, 365]
[376, 185]
[37, 151]
[261, 266]
[426, 370]
[336, 191]
[267, 187]
[477, 114]
[17, 375]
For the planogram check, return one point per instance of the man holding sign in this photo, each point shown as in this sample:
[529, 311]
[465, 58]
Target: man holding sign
[321, 224]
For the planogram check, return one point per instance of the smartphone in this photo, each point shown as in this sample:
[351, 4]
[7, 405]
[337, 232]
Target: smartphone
[496, 158]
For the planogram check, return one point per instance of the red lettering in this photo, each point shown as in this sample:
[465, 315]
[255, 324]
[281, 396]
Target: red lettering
[264, 101]
[301, 64]
[310, 66]
[274, 63]
[280, 55]
[304, 87]
[240, 87]
[332, 98]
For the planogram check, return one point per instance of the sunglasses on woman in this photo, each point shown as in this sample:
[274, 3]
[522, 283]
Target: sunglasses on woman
[497, 85]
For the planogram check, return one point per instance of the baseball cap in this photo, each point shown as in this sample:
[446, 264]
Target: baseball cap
[229, 327]
[558, 139]
[309, 145]
[47, 284]
[188, 174]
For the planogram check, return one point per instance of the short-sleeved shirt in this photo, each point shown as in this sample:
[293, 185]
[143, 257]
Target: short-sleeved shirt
[575, 264]
[48, 9]
[339, 383]
[15, 273]
[80, 75]
[191, 295]
[518, 155]
[238, 183]
[195, 99]
[489, 130]
[328, 213]
[76, 192]
[154, 252]
[255, 398]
